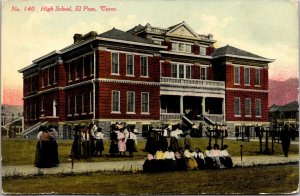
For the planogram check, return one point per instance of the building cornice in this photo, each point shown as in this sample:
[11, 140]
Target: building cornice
[128, 81]
[247, 90]
[130, 42]
[47, 55]
[185, 54]
[245, 57]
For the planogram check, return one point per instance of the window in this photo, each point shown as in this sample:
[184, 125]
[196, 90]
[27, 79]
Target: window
[69, 104]
[202, 50]
[130, 64]
[83, 67]
[54, 74]
[258, 107]
[248, 107]
[115, 101]
[188, 48]
[236, 75]
[181, 47]
[257, 77]
[76, 104]
[144, 66]
[174, 70]
[145, 102]
[130, 102]
[203, 73]
[82, 103]
[42, 104]
[48, 76]
[76, 70]
[69, 72]
[91, 63]
[115, 63]
[237, 106]
[247, 76]
[43, 82]
[175, 46]
[188, 71]
[35, 113]
[181, 71]
[91, 102]
[157, 41]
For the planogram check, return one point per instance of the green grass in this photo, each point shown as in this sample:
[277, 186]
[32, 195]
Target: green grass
[249, 180]
[22, 151]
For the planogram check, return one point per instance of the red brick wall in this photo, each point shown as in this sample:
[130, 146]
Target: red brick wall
[105, 67]
[105, 105]
[230, 95]
[78, 91]
[230, 78]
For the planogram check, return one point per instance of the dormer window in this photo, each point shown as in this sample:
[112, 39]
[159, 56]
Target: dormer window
[182, 47]
[202, 50]
[157, 41]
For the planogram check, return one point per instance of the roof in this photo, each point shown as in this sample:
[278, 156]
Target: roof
[136, 29]
[126, 36]
[290, 107]
[235, 52]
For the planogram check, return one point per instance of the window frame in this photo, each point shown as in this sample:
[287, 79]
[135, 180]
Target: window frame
[257, 77]
[133, 102]
[142, 103]
[146, 65]
[239, 107]
[258, 109]
[117, 64]
[247, 81]
[91, 102]
[203, 77]
[127, 65]
[113, 102]
[237, 77]
[249, 107]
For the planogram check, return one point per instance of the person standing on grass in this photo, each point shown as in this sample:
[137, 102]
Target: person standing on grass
[99, 142]
[40, 152]
[53, 150]
[76, 146]
[47, 151]
[130, 142]
[285, 139]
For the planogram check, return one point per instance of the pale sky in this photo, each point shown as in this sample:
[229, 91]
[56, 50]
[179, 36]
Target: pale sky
[268, 28]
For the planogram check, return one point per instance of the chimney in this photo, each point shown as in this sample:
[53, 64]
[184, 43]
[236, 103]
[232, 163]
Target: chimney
[90, 35]
[77, 38]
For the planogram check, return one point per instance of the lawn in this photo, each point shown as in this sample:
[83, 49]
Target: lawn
[21, 151]
[248, 180]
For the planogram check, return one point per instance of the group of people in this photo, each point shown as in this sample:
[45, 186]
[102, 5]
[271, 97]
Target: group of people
[157, 138]
[46, 154]
[188, 159]
[123, 138]
[88, 141]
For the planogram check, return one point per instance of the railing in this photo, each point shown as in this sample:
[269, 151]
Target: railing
[288, 120]
[216, 117]
[192, 82]
[170, 116]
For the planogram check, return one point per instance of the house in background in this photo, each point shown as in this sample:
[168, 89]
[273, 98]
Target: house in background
[289, 113]
[145, 76]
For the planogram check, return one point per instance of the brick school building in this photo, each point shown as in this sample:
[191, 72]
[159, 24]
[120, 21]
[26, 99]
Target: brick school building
[145, 76]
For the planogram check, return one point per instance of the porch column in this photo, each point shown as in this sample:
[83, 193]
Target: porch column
[181, 104]
[203, 105]
[223, 109]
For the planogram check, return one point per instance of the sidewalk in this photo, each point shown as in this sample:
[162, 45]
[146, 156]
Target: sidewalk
[135, 165]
